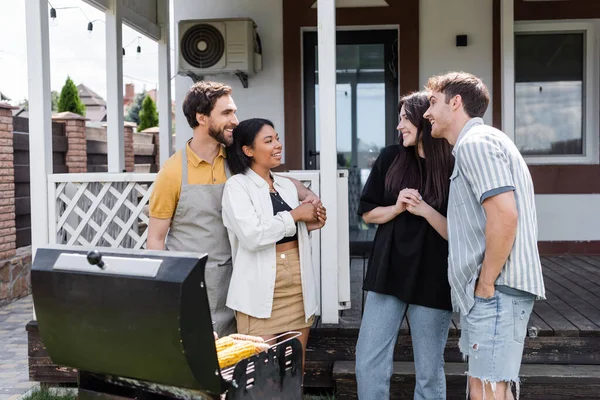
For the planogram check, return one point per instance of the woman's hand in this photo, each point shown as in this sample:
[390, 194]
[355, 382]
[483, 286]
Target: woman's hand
[321, 219]
[306, 212]
[422, 209]
[405, 198]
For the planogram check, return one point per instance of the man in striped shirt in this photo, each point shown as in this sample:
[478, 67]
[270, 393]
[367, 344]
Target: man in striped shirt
[494, 266]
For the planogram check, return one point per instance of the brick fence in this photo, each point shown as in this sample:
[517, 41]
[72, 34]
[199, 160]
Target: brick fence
[11, 270]
[76, 158]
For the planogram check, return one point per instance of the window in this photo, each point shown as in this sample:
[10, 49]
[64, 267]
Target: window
[556, 92]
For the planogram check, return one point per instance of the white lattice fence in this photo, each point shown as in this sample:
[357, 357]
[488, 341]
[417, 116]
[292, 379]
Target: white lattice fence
[99, 209]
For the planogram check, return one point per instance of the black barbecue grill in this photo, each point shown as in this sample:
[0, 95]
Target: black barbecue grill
[137, 324]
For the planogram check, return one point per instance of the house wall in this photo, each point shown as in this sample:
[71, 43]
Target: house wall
[440, 22]
[264, 95]
[276, 92]
[568, 196]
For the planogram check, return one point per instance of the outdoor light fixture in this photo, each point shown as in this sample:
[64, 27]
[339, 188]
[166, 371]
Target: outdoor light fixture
[138, 49]
[53, 16]
[90, 28]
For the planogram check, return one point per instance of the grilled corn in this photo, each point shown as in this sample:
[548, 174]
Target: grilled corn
[232, 354]
[247, 338]
[258, 347]
[223, 343]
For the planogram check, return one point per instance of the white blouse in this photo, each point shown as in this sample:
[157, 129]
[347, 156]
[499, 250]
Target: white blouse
[253, 233]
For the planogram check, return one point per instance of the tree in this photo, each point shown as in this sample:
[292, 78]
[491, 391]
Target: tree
[148, 114]
[55, 96]
[69, 99]
[133, 112]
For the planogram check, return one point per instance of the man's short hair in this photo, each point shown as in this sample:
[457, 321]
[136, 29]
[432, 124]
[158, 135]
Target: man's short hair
[201, 98]
[475, 95]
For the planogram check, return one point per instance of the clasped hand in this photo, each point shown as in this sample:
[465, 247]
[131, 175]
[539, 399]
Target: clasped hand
[411, 200]
[315, 215]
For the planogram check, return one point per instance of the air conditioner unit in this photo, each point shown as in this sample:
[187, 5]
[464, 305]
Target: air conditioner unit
[217, 46]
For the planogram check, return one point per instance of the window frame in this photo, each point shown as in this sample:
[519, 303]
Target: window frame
[591, 126]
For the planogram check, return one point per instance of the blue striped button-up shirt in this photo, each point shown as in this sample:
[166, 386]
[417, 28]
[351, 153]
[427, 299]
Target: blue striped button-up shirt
[488, 163]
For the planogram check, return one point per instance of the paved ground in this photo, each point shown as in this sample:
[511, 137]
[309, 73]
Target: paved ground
[14, 373]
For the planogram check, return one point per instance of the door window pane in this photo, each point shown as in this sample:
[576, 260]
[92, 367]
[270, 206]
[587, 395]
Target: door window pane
[549, 93]
[360, 114]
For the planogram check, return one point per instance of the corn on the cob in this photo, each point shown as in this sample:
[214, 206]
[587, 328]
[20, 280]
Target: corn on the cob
[223, 343]
[258, 347]
[232, 354]
[247, 338]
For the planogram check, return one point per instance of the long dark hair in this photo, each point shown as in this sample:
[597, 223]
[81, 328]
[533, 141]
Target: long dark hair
[244, 135]
[406, 170]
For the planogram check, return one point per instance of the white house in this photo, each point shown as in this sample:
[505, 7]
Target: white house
[539, 59]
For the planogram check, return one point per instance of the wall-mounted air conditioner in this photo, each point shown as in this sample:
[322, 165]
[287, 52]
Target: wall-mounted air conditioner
[219, 46]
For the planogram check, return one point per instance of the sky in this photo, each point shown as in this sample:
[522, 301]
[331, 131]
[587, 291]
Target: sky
[73, 52]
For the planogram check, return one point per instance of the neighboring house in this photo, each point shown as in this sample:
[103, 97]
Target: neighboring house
[95, 106]
[129, 96]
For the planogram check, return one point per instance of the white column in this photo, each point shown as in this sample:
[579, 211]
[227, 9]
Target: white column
[507, 38]
[164, 83]
[182, 84]
[327, 127]
[40, 118]
[114, 87]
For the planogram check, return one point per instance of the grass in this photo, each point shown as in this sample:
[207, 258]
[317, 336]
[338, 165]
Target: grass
[316, 394]
[43, 393]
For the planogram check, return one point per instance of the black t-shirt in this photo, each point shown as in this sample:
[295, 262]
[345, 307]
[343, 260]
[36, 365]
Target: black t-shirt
[280, 205]
[409, 259]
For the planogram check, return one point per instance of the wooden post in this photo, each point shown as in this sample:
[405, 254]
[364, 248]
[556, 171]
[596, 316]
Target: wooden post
[157, 152]
[128, 143]
[76, 141]
[327, 126]
[8, 232]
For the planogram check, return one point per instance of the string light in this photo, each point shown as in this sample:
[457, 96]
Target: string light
[90, 26]
[138, 49]
[52, 14]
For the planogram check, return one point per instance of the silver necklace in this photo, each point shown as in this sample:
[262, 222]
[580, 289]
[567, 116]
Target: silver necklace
[276, 196]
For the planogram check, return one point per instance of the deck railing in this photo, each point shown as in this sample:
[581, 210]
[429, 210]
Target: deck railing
[111, 210]
[99, 209]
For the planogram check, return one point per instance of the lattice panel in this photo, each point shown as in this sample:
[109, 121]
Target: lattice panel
[102, 214]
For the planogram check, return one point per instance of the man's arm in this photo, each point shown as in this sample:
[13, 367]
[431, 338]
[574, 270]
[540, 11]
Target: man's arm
[483, 161]
[157, 232]
[305, 195]
[500, 232]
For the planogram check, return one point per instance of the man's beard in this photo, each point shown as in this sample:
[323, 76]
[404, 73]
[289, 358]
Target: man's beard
[219, 135]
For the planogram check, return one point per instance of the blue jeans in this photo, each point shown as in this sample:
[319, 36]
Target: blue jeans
[376, 340]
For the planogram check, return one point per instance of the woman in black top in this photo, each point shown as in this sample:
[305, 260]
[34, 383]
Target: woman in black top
[406, 195]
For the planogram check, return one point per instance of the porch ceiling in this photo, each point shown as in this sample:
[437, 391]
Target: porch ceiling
[141, 15]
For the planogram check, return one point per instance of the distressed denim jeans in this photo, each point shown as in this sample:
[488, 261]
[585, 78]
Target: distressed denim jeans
[493, 335]
[376, 340]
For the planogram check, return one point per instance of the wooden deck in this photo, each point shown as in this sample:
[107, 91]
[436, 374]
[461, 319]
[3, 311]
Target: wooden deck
[563, 329]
